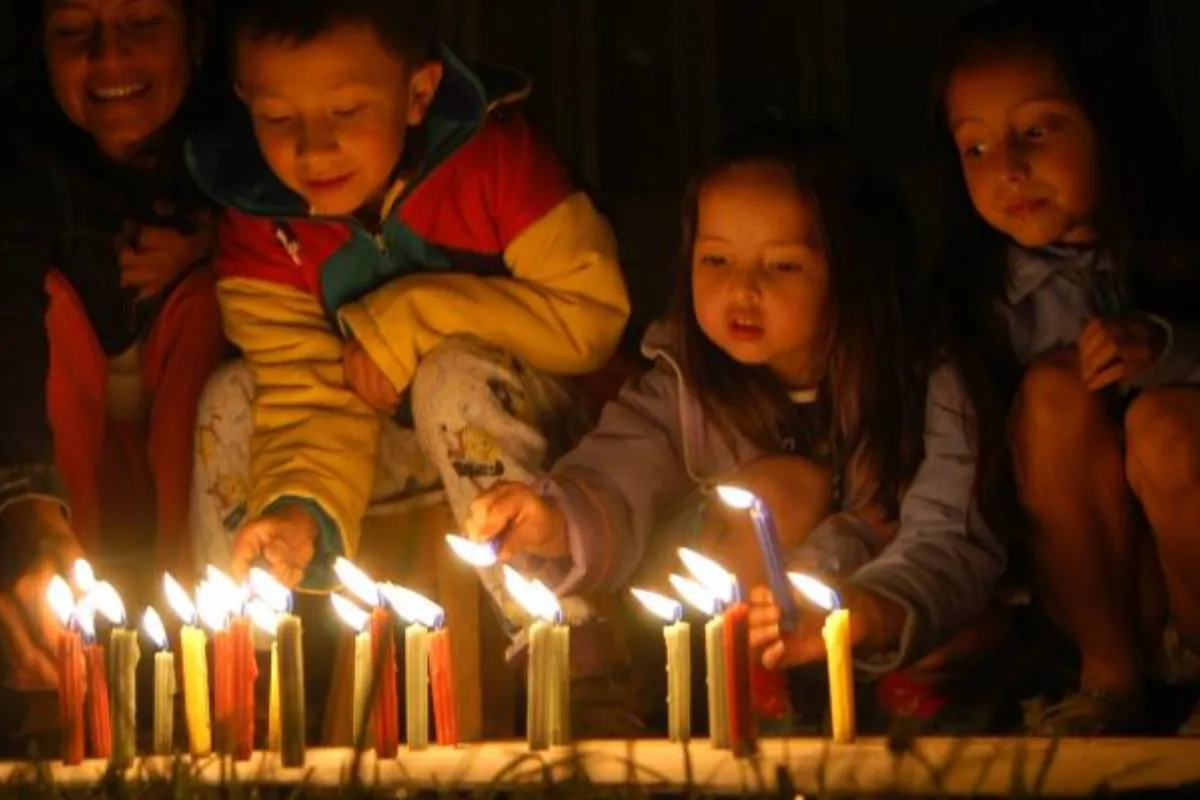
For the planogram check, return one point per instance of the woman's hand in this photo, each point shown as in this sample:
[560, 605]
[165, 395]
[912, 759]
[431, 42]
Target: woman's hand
[152, 257]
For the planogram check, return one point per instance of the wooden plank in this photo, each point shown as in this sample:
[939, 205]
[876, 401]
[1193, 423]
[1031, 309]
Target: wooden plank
[992, 767]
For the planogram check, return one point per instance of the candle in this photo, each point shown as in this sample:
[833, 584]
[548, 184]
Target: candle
[70, 672]
[548, 693]
[164, 683]
[124, 655]
[287, 669]
[427, 651]
[268, 622]
[99, 725]
[193, 646]
[358, 619]
[768, 543]
[677, 635]
[386, 706]
[838, 655]
[714, 657]
[445, 698]
[242, 670]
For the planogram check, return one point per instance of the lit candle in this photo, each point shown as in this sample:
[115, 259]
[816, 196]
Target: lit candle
[124, 654]
[477, 554]
[287, 667]
[386, 706]
[358, 620]
[99, 724]
[242, 670]
[548, 694]
[164, 683]
[427, 662]
[768, 543]
[838, 655]
[70, 671]
[678, 636]
[714, 657]
[268, 622]
[193, 645]
[736, 644]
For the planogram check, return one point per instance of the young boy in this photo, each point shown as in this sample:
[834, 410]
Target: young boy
[398, 246]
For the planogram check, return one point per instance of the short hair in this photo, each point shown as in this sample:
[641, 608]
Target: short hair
[406, 27]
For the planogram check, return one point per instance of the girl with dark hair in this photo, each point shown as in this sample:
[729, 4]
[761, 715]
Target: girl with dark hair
[788, 366]
[107, 310]
[1069, 304]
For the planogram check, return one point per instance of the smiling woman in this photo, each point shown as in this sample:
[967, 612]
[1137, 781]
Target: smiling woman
[108, 319]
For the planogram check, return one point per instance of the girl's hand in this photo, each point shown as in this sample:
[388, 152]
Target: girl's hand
[286, 540]
[1118, 350]
[152, 258]
[873, 621]
[525, 521]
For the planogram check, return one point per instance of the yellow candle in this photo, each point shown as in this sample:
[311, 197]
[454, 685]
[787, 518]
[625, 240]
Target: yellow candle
[714, 653]
[193, 644]
[836, 633]
[273, 735]
[164, 702]
[558, 711]
[416, 685]
[679, 681]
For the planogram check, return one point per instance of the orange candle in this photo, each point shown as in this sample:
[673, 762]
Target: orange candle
[245, 670]
[70, 671]
[223, 689]
[737, 679]
[387, 702]
[99, 720]
[445, 701]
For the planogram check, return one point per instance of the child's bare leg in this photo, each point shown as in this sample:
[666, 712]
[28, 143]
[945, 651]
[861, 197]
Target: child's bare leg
[1072, 479]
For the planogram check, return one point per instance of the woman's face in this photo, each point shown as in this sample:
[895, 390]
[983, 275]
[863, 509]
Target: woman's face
[118, 68]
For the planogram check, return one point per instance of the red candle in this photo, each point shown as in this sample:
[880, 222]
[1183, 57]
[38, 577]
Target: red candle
[223, 689]
[441, 676]
[737, 679]
[98, 716]
[70, 695]
[387, 703]
[244, 671]
[769, 692]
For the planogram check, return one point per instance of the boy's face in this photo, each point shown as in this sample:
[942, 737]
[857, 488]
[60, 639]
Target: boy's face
[331, 114]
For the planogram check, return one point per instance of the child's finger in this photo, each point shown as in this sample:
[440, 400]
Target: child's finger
[762, 636]
[1097, 358]
[773, 655]
[761, 614]
[1107, 377]
[761, 595]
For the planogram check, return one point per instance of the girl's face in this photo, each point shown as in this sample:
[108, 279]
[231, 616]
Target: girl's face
[760, 279]
[1027, 149]
[119, 68]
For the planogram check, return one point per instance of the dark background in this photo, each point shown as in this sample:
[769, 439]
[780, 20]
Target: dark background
[634, 92]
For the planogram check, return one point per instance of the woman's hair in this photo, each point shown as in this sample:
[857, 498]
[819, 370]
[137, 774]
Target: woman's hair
[871, 390]
[1142, 219]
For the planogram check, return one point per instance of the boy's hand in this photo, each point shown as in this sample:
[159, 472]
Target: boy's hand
[1119, 350]
[526, 521]
[873, 621]
[29, 630]
[152, 257]
[367, 380]
[286, 541]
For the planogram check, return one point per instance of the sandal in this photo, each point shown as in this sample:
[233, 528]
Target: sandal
[1085, 713]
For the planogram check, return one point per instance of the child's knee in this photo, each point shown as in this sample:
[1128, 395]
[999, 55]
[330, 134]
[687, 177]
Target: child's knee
[1162, 430]
[1054, 409]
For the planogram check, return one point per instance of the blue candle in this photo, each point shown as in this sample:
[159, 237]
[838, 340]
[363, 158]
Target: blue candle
[768, 543]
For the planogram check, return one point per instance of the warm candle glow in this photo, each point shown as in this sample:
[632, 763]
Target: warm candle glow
[477, 554]
[236, 595]
[357, 582]
[85, 615]
[106, 600]
[85, 578]
[533, 596]
[736, 497]
[152, 624]
[711, 575]
[211, 606]
[263, 615]
[180, 603]
[60, 598]
[351, 614]
[413, 607]
[663, 607]
[264, 586]
[816, 591]
[696, 595]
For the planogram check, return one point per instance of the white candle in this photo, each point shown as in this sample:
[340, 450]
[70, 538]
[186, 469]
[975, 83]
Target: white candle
[421, 614]
[548, 721]
[357, 619]
[123, 655]
[287, 710]
[714, 658]
[164, 684]
[677, 636]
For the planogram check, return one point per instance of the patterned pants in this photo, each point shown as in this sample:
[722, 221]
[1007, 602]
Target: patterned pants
[479, 414]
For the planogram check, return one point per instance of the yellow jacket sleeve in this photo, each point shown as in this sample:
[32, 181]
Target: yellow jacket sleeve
[314, 440]
[562, 309]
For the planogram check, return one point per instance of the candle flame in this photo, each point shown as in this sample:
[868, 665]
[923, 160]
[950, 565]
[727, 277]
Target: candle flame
[351, 614]
[211, 607]
[413, 607]
[152, 624]
[85, 578]
[696, 595]
[816, 591]
[263, 615]
[237, 594]
[711, 575]
[477, 554]
[736, 497]
[357, 581]
[106, 600]
[179, 600]
[60, 598]
[533, 595]
[660, 606]
[264, 586]
[85, 615]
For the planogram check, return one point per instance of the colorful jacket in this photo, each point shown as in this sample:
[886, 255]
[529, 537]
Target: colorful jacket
[654, 448]
[488, 238]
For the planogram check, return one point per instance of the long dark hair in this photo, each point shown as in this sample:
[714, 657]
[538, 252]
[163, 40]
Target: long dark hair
[1145, 218]
[872, 388]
